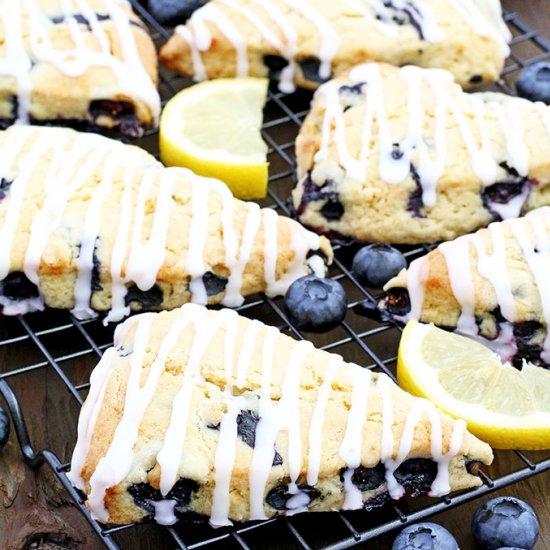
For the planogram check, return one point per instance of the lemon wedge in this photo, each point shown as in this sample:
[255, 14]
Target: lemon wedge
[507, 408]
[213, 128]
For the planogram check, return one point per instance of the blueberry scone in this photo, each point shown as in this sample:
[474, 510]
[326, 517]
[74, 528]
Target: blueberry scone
[491, 285]
[90, 224]
[204, 411]
[306, 42]
[80, 63]
[403, 155]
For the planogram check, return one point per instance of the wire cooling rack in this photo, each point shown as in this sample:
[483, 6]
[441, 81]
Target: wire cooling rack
[65, 350]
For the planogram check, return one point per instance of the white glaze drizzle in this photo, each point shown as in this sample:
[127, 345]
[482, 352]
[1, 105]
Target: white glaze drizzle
[169, 457]
[330, 40]
[492, 27]
[537, 256]
[9, 163]
[225, 451]
[317, 420]
[440, 485]
[119, 309]
[274, 416]
[88, 416]
[85, 264]
[457, 256]
[352, 444]
[164, 511]
[428, 154]
[73, 160]
[199, 38]
[263, 451]
[16, 61]
[233, 297]
[290, 47]
[494, 268]
[129, 71]
[429, 27]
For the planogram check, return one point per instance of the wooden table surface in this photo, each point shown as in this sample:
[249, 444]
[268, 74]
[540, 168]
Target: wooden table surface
[36, 512]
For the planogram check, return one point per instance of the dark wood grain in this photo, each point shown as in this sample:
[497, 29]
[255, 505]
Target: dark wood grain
[35, 511]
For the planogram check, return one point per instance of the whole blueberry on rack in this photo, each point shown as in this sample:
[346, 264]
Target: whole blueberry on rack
[534, 82]
[4, 427]
[174, 10]
[505, 521]
[375, 264]
[425, 536]
[315, 304]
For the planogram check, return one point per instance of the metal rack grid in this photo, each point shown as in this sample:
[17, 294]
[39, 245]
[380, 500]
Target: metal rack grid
[69, 348]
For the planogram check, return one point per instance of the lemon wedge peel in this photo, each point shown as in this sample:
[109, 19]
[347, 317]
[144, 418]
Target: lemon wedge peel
[213, 128]
[526, 430]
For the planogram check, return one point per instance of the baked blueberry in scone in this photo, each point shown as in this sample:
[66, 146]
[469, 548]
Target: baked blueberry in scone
[205, 411]
[306, 42]
[491, 285]
[92, 225]
[86, 64]
[411, 158]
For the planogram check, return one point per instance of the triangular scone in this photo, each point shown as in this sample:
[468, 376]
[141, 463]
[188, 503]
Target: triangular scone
[305, 42]
[403, 155]
[79, 63]
[206, 411]
[91, 224]
[491, 285]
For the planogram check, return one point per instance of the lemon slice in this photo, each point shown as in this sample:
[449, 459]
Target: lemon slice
[213, 128]
[507, 408]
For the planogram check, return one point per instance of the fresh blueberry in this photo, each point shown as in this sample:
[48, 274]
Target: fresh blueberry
[4, 428]
[315, 304]
[168, 10]
[534, 82]
[505, 521]
[375, 264]
[425, 536]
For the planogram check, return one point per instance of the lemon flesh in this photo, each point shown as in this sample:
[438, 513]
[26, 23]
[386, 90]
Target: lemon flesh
[507, 408]
[213, 128]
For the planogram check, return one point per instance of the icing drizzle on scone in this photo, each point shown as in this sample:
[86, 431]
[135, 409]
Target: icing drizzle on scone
[27, 29]
[275, 415]
[60, 173]
[388, 15]
[428, 154]
[494, 260]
